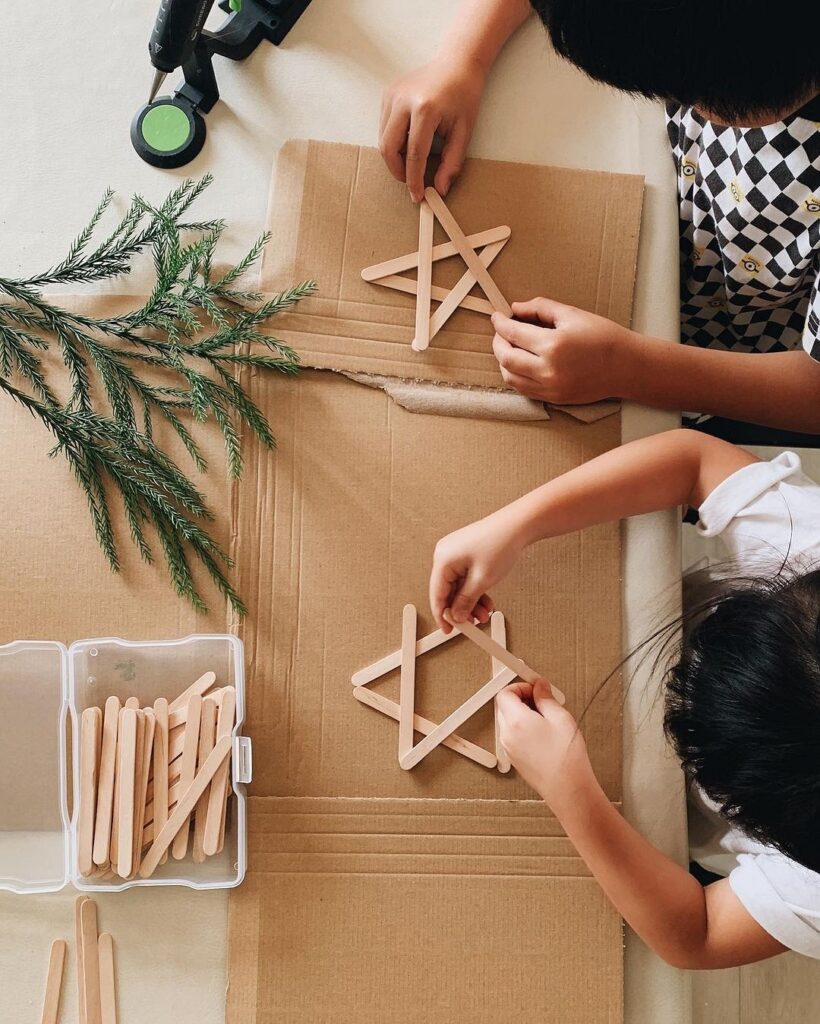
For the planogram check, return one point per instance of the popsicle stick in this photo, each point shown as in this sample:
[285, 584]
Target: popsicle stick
[424, 281]
[126, 771]
[498, 631]
[78, 954]
[437, 293]
[216, 796]
[90, 736]
[91, 962]
[108, 988]
[425, 726]
[54, 983]
[457, 237]
[228, 794]
[392, 661]
[217, 757]
[105, 791]
[177, 719]
[207, 736]
[187, 769]
[410, 260]
[133, 704]
[200, 687]
[159, 788]
[138, 760]
[495, 650]
[458, 717]
[407, 692]
[141, 784]
[460, 290]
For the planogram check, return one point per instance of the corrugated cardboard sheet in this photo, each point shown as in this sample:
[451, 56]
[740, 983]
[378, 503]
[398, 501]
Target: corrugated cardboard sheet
[448, 892]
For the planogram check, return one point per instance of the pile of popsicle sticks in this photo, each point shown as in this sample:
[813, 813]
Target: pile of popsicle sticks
[154, 781]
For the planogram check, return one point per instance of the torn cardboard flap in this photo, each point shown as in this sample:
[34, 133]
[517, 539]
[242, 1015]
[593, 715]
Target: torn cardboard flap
[335, 210]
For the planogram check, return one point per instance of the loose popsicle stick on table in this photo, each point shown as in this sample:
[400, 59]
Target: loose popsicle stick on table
[219, 788]
[126, 771]
[213, 762]
[207, 737]
[407, 692]
[506, 657]
[54, 983]
[425, 726]
[458, 717]
[424, 279]
[90, 737]
[78, 956]
[201, 686]
[187, 769]
[91, 962]
[410, 260]
[468, 254]
[108, 988]
[159, 789]
[498, 631]
[105, 791]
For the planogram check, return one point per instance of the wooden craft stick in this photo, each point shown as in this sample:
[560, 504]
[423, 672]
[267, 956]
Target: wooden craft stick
[424, 282]
[439, 294]
[213, 762]
[228, 794]
[407, 693]
[187, 769]
[460, 290]
[159, 788]
[410, 260]
[425, 726]
[126, 771]
[457, 237]
[105, 791]
[91, 962]
[139, 753]
[207, 736]
[141, 783]
[495, 650]
[133, 704]
[108, 989]
[177, 719]
[458, 717]
[90, 737]
[498, 631]
[200, 687]
[78, 954]
[391, 661]
[54, 983]
[217, 794]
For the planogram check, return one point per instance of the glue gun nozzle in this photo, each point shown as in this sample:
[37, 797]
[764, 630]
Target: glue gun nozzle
[159, 78]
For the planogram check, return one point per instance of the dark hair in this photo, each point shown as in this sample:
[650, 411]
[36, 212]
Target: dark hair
[743, 709]
[734, 59]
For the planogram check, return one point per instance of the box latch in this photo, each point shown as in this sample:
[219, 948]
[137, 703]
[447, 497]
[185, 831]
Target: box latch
[242, 760]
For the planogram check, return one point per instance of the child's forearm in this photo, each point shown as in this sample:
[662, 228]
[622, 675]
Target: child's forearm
[679, 467]
[780, 389]
[482, 27]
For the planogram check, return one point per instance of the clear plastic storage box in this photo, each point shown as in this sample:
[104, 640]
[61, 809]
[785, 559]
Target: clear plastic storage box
[43, 685]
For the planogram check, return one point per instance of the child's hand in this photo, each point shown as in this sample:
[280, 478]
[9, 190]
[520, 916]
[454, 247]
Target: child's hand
[542, 740]
[561, 354]
[467, 563]
[442, 97]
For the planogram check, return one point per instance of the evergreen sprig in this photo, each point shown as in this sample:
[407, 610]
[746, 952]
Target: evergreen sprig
[193, 334]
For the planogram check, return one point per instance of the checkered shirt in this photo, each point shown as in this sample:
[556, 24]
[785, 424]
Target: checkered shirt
[749, 233]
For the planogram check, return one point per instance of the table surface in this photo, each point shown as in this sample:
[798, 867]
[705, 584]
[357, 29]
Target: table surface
[72, 77]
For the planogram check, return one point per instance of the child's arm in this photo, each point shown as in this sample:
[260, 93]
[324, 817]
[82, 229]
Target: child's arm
[676, 468]
[565, 356]
[689, 926]
[443, 96]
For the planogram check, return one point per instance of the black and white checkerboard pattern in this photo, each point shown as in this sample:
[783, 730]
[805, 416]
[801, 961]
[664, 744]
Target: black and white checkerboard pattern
[750, 233]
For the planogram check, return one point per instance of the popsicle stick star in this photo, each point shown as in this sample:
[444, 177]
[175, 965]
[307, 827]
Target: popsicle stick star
[505, 668]
[478, 251]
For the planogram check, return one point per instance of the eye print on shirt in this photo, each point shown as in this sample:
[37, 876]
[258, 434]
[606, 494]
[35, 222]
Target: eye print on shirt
[696, 254]
[688, 168]
[812, 204]
[735, 191]
[750, 265]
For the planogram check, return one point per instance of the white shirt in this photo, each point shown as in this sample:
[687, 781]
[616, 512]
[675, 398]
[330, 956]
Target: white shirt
[764, 513]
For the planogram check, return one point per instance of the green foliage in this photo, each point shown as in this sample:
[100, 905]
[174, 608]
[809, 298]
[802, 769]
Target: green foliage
[175, 358]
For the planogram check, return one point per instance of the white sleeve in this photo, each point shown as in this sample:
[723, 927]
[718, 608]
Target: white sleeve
[767, 512]
[783, 897]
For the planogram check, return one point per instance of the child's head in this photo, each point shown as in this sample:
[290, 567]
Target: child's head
[747, 63]
[743, 710]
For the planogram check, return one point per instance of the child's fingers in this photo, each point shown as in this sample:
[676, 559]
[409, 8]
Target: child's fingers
[513, 699]
[419, 142]
[392, 139]
[467, 597]
[514, 359]
[484, 609]
[440, 591]
[542, 697]
[546, 310]
[529, 337]
[452, 157]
